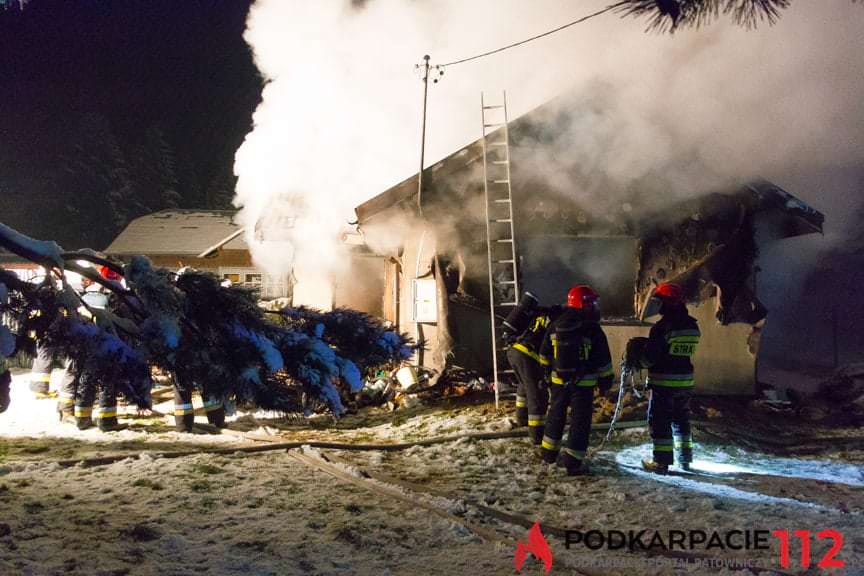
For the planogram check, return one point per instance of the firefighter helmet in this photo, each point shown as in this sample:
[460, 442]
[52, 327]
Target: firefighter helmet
[109, 274]
[671, 293]
[582, 297]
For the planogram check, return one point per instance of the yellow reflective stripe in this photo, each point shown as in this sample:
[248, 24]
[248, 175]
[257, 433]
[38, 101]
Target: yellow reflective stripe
[66, 401]
[535, 420]
[671, 380]
[520, 403]
[550, 443]
[525, 350]
[578, 454]
[586, 380]
[82, 411]
[539, 322]
[183, 409]
[671, 383]
[214, 404]
[661, 448]
[106, 412]
[606, 370]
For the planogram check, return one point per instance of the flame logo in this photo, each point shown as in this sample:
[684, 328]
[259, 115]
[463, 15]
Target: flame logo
[537, 545]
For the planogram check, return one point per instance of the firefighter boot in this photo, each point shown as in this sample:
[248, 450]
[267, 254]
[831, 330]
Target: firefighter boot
[548, 456]
[67, 416]
[5, 387]
[536, 434]
[215, 409]
[83, 416]
[110, 425]
[574, 466]
[656, 468]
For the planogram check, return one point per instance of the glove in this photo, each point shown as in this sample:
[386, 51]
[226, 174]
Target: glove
[635, 350]
[5, 382]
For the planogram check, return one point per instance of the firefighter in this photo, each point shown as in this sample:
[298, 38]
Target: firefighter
[5, 383]
[667, 354]
[184, 411]
[40, 373]
[578, 360]
[525, 327]
[79, 390]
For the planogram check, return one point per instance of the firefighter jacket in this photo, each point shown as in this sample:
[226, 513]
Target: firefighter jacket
[669, 351]
[531, 339]
[576, 351]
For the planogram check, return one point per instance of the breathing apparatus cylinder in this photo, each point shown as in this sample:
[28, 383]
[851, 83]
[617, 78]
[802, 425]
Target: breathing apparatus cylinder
[519, 319]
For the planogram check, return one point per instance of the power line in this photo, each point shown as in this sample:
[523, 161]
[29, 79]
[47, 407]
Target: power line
[579, 21]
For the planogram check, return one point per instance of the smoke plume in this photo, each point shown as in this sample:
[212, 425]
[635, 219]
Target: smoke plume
[340, 117]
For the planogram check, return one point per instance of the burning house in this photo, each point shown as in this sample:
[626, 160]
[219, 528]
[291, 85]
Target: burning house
[575, 225]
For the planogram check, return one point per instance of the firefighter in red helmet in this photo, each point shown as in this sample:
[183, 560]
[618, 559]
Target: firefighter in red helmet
[668, 354]
[577, 356]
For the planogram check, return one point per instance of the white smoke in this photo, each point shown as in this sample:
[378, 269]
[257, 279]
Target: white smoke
[340, 116]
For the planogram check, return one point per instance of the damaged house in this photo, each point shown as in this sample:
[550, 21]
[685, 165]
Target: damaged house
[573, 225]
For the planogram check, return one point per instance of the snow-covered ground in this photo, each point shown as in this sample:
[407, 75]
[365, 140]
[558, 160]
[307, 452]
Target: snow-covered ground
[266, 513]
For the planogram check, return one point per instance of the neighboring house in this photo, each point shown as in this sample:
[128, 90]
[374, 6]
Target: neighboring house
[210, 240]
[25, 269]
[621, 242]
[176, 238]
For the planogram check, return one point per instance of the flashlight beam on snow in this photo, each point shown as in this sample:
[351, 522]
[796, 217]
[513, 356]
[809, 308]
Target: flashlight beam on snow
[715, 462]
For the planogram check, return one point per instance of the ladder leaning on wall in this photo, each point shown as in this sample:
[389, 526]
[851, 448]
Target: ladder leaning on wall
[500, 237]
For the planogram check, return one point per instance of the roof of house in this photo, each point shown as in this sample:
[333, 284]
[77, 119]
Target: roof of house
[798, 217]
[187, 232]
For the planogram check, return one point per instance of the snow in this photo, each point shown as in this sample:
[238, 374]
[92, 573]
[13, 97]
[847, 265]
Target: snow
[267, 514]
[43, 249]
[272, 358]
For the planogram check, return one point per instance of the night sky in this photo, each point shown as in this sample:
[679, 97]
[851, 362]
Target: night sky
[110, 109]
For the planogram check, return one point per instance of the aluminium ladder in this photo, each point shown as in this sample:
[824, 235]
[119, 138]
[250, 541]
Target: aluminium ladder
[500, 237]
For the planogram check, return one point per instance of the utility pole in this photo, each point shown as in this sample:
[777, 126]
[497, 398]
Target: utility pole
[425, 79]
[424, 70]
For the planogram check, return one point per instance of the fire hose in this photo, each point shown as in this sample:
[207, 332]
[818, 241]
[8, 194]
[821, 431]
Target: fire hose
[628, 376]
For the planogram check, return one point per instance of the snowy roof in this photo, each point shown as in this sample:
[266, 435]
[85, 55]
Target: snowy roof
[178, 232]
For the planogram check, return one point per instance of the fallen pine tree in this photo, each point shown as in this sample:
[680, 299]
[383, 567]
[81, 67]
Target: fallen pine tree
[186, 323]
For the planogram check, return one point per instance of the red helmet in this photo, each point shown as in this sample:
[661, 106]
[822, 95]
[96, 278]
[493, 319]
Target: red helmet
[109, 274]
[672, 293]
[582, 297]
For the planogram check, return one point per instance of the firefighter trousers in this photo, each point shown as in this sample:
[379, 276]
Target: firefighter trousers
[5, 389]
[669, 421]
[82, 390]
[40, 372]
[580, 401]
[532, 395]
[184, 411]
